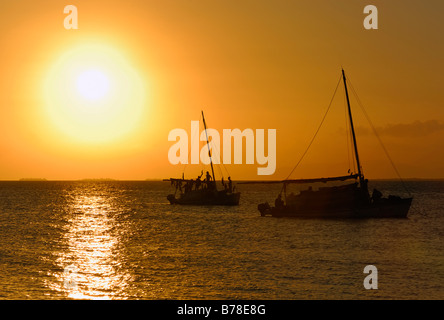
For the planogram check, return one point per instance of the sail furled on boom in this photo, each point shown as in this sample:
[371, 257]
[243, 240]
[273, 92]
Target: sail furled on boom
[301, 181]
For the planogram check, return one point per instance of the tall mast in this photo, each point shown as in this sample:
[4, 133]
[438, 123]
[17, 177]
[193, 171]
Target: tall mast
[352, 129]
[208, 144]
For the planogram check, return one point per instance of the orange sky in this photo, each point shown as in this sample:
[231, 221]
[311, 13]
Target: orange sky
[247, 64]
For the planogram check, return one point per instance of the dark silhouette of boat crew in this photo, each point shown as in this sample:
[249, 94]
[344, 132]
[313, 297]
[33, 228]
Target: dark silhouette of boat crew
[204, 192]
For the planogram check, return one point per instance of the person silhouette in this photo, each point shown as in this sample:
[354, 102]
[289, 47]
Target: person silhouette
[198, 183]
[230, 185]
[279, 203]
[207, 177]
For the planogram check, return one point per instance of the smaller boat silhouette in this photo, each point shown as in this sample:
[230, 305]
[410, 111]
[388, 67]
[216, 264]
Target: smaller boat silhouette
[204, 191]
[346, 201]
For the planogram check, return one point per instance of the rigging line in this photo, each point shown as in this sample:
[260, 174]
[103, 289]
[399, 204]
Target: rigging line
[222, 162]
[225, 167]
[215, 150]
[217, 153]
[203, 166]
[350, 138]
[320, 125]
[347, 135]
[355, 166]
[379, 139]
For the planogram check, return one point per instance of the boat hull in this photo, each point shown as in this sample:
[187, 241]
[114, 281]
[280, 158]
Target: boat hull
[218, 198]
[389, 208]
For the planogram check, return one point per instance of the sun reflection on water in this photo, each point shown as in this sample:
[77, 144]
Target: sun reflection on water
[92, 239]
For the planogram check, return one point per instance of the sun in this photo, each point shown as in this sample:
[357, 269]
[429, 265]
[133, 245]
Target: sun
[93, 84]
[93, 94]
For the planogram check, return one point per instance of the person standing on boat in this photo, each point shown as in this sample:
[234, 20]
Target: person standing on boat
[198, 183]
[208, 181]
[230, 185]
[279, 203]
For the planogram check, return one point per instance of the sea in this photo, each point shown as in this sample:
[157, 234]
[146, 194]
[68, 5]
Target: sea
[123, 240]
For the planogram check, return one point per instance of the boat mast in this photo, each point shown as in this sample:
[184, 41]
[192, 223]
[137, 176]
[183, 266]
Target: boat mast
[209, 151]
[352, 130]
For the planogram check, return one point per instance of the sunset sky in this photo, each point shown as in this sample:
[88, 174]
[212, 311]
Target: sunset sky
[256, 64]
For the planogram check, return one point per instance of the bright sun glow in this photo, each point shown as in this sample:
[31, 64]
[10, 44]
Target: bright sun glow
[94, 95]
[92, 84]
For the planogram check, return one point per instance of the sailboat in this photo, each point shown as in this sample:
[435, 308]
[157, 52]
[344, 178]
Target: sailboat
[351, 200]
[204, 192]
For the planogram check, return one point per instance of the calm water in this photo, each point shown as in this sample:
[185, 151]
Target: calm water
[122, 240]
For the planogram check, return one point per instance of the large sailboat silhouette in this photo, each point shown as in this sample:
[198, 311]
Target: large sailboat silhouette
[345, 201]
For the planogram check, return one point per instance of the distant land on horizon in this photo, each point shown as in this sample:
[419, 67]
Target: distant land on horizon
[237, 180]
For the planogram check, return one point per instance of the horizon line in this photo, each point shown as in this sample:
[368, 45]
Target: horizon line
[165, 180]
